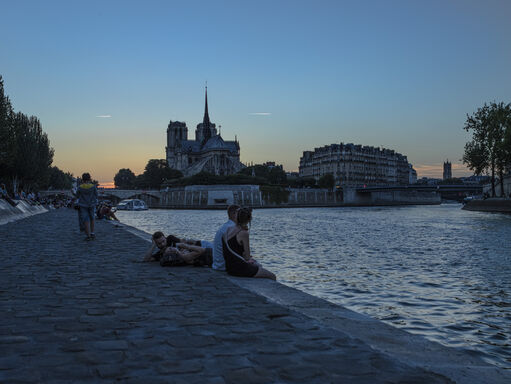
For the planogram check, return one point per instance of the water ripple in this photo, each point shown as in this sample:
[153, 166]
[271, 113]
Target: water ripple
[433, 270]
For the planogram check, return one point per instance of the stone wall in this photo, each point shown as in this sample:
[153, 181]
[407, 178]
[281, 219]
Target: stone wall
[9, 213]
[489, 205]
[507, 187]
[405, 197]
[220, 196]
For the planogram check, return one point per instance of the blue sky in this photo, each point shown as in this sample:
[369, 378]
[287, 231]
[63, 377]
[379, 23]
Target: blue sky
[397, 74]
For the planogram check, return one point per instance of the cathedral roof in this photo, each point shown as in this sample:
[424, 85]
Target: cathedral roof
[190, 146]
[217, 143]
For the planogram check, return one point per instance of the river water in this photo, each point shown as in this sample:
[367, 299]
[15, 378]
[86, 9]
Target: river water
[437, 271]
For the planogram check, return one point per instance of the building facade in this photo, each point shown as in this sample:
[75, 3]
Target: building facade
[357, 165]
[447, 170]
[208, 152]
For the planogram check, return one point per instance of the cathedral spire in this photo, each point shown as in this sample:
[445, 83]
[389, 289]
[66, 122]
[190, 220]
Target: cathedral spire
[206, 121]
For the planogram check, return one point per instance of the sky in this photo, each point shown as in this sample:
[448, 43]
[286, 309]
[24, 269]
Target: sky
[106, 77]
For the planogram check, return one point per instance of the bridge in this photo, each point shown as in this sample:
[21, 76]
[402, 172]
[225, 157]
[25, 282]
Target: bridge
[114, 195]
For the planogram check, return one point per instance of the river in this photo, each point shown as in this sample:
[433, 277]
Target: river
[437, 270]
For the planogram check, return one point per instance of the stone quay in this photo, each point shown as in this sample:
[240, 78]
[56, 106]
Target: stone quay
[92, 312]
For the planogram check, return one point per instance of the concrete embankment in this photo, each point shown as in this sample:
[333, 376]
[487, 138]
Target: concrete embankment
[92, 312]
[22, 209]
[489, 205]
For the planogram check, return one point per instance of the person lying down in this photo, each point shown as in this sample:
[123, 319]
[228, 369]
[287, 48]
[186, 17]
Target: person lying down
[175, 252]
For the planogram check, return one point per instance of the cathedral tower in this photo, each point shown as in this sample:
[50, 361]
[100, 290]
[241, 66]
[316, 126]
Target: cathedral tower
[447, 170]
[176, 133]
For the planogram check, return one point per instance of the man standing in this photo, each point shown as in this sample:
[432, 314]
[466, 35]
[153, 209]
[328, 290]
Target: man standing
[87, 195]
[218, 252]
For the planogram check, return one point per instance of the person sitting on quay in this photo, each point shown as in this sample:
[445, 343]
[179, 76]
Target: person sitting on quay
[218, 253]
[5, 195]
[236, 249]
[87, 195]
[105, 211]
[176, 252]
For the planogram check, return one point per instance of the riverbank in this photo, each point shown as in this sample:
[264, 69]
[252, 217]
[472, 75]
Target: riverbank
[91, 311]
[23, 209]
[499, 205]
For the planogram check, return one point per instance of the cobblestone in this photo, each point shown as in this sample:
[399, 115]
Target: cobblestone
[91, 312]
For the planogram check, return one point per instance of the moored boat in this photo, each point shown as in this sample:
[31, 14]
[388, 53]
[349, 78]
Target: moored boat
[132, 205]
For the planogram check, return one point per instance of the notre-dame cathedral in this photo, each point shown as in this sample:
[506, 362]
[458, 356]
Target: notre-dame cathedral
[208, 152]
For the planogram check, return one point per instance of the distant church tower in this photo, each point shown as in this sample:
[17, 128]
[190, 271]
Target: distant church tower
[447, 170]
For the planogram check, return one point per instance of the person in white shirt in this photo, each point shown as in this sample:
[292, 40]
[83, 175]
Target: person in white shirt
[218, 253]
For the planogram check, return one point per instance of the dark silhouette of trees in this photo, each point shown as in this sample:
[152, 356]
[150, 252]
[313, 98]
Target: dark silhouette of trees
[7, 147]
[156, 173]
[59, 179]
[303, 182]
[205, 178]
[273, 174]
[125, 179]
[327, 181]
[25, 152]
[489, 150]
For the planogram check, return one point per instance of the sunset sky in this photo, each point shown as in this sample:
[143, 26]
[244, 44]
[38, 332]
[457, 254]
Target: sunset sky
[105, 77]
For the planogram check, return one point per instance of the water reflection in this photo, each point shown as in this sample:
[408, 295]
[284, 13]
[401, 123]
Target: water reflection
[433, 270]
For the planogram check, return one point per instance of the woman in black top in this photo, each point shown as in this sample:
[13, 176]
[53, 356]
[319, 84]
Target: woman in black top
[236, 249]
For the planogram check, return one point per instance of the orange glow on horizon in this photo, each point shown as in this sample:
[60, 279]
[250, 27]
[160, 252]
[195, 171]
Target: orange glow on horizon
[107, 185]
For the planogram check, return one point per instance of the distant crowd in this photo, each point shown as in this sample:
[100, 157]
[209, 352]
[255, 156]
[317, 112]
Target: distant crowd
[34, 198]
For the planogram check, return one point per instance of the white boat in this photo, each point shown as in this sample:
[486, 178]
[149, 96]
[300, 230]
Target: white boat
[132, 205]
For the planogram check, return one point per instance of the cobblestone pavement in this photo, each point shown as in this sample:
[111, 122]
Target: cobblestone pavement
[77, 311]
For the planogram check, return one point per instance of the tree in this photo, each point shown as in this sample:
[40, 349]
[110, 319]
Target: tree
[507, 147]
[7, 146]
[501, 130]
[156, 172]
[125, 179]
[25, 152]
[33, 155]
[59, 179]
[327, 181]
[303, 182]
[273, 174]
[488, 151]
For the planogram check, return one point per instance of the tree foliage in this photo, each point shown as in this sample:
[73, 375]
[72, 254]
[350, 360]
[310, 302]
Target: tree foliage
[155, 174]
[25, 152]
[59, 179]
[327, 181]
[303, 182]
[489, 151]
[274, 194]
[7, 147]
[273, 174]
[205, 178]
[125, 179]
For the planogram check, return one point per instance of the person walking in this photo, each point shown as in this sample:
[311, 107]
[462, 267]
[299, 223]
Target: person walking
[87, 195]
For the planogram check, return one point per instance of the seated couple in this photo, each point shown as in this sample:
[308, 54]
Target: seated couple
[231, 248]
[175, 252]
[236, 247]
